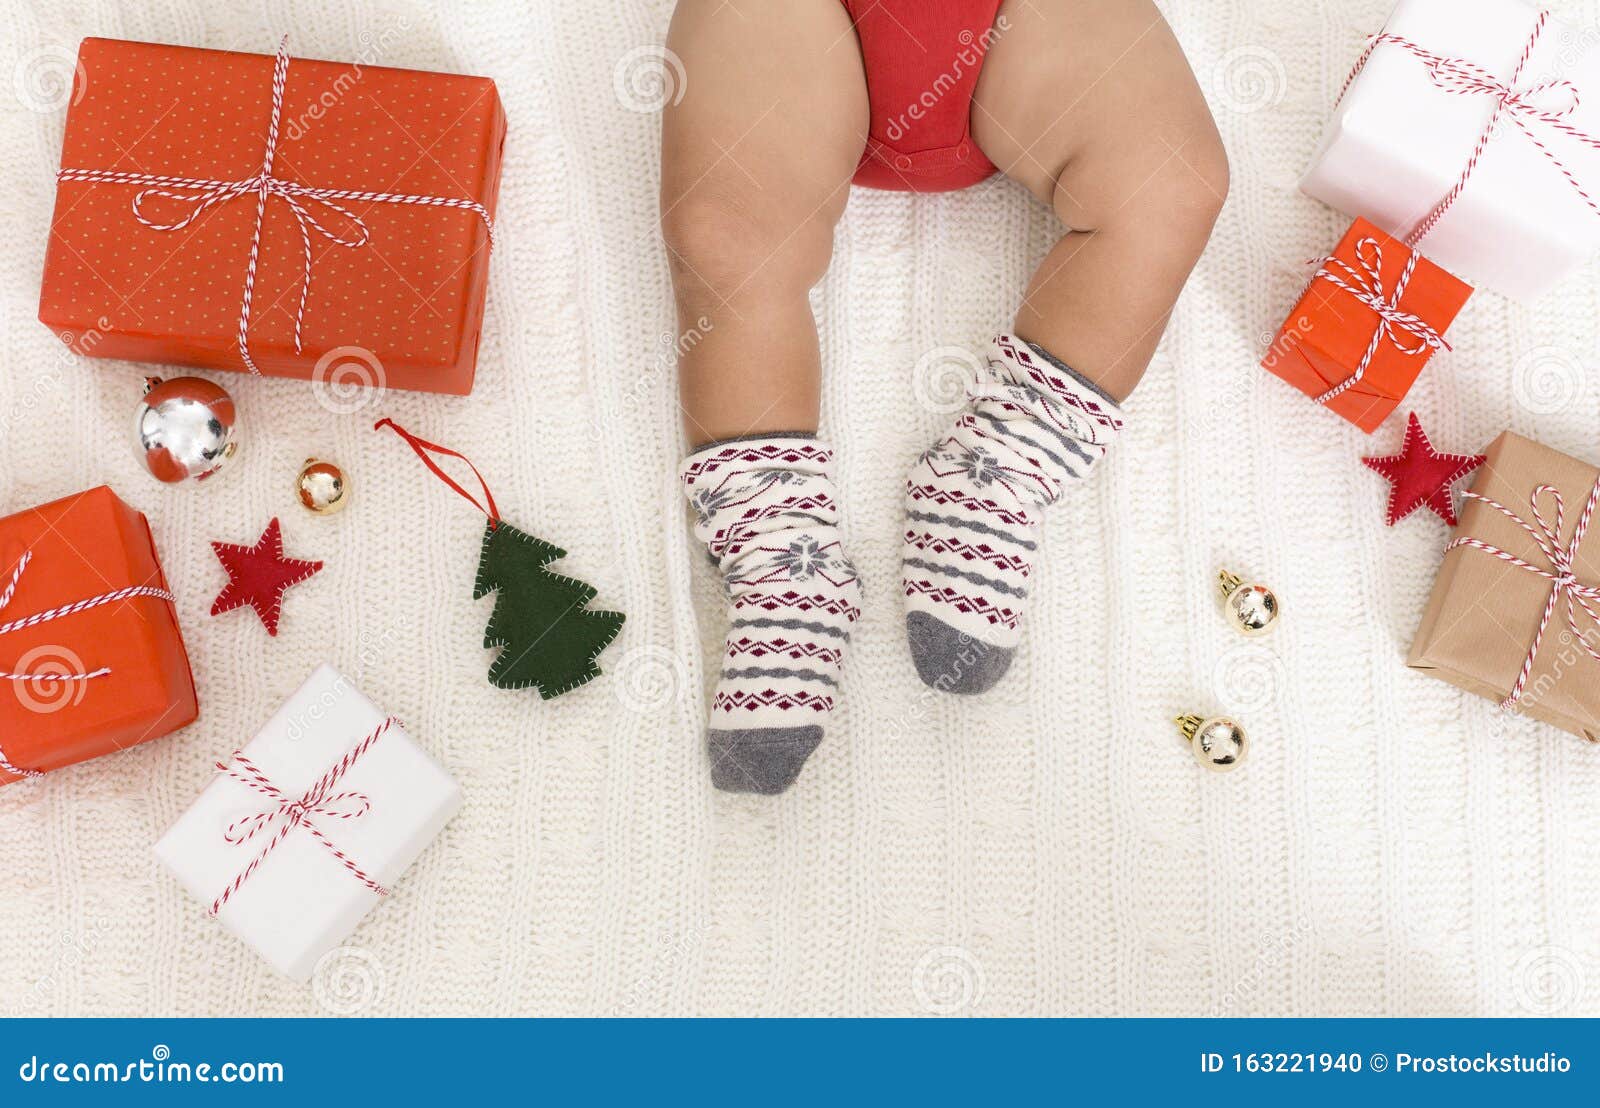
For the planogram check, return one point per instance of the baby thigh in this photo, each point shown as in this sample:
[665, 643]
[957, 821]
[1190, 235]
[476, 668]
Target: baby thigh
[1092, 105]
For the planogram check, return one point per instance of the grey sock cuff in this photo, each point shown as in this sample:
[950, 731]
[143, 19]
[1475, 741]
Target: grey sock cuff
[1070, 372]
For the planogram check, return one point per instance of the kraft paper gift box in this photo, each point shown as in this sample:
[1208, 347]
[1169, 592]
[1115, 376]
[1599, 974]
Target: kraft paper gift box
[1407, 133]
[1485, 614]
[89, 640]
[309, 825]
[380, 184]
[1331, 332]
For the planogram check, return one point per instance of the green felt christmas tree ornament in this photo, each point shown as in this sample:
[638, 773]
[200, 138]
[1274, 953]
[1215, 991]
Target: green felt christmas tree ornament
[548, 637]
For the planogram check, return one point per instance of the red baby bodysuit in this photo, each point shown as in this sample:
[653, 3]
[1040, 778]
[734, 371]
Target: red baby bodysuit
[922, 59]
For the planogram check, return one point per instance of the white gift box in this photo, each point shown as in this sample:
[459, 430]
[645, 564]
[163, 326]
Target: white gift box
[329, 803]
[1407, 128]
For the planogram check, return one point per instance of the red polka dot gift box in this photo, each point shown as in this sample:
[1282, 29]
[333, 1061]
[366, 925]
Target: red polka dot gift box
[274, 215]
[91, 657]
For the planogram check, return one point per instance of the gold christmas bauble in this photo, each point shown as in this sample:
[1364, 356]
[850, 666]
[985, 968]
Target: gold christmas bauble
[323, 487]
[1252, 609]
[1218, 743]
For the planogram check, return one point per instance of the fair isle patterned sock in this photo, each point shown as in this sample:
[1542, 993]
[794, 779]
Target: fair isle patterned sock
[766, 510]
[1031, 427]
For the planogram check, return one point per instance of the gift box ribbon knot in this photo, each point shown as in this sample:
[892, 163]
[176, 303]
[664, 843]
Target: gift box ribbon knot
[288, 813]
[1366, 285]
[201, 195]
[1562, 576]
[1547, 103]
[37, 618]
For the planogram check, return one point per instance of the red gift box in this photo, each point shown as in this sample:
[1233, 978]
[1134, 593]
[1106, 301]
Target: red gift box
[92, 657]
[1369, 320]
[297, 218]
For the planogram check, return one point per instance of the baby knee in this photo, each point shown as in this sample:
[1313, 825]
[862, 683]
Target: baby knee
[721, 247]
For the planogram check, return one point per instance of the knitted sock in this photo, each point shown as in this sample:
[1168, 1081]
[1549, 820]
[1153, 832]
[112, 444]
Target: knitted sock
[766, 511]
[973, 502]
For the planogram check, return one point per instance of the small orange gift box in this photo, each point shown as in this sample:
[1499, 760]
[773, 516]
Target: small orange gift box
[90, 652]
[294, 218]
[1369, 320]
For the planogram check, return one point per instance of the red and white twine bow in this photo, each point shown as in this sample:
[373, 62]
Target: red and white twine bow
[127, 593]
[202, 195]
[1366, 285]
[1547, 104]
[1562, 575]
[288, 813]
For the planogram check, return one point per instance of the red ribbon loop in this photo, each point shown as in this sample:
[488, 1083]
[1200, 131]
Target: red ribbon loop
[423, 448]
[1548, 103]
[1366, 285]
[287, 813]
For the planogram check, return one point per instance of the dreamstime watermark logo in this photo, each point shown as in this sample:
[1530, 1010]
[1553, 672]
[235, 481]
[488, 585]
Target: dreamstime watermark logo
[671, 348]
[32, 394]
[1249, 78]
[1272, 954]
[1246, 677]
[947, 981]
[1547, 379]
[675, 950]
[48, 78]
[1549, 980]
[348, 980]
[970, 51]
[49, 678]
[942, 376]
[304, 722]
[75, 950]
[1572, 650]
[648, 78]
[374, 45]
[349, 379]
[649, 678]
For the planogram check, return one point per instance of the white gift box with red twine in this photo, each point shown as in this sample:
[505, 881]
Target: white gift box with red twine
[1470, 129]
[308, 826]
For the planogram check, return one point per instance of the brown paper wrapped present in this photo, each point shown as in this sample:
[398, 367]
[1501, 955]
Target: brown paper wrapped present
[1515, 610]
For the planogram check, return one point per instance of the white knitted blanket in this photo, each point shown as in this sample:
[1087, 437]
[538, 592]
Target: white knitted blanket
[1392, 847]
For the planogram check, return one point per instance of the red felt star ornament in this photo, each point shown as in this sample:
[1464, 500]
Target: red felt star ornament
[258, 575]
[1420, 475]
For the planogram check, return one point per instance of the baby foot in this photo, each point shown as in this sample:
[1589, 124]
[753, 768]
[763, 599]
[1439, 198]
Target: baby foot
[766, 510]
[973, 503]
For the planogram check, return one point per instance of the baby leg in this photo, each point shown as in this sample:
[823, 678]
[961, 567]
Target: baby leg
[756, 163]
[756, 166]
[1091, 105]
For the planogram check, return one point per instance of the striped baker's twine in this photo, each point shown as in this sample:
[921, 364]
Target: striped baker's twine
[1548, 103]
[127, 593]
[203, 194]
[1366, 285]
[1562, 575]
[287, 813]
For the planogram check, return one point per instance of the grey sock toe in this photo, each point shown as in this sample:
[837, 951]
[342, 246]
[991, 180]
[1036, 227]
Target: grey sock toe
[762, 760]
[951, 660]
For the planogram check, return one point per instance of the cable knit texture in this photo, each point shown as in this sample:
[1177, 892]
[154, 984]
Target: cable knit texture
[1393, 845]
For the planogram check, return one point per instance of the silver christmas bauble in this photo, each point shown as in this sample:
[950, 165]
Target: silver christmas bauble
[184, 428]
[1218, 743]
